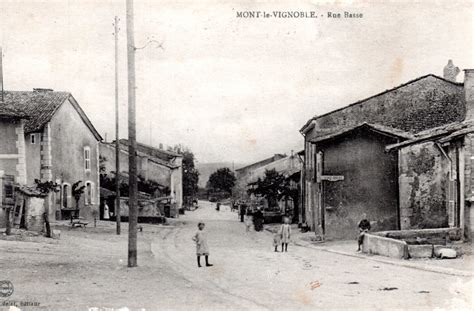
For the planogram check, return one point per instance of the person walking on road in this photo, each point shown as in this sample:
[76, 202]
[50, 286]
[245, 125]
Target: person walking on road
[243, 211]
[285, 234]
[258, 220]
[201, 245]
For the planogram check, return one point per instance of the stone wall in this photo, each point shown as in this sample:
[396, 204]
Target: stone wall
[423, 182]
[469, 186]
[425, 103]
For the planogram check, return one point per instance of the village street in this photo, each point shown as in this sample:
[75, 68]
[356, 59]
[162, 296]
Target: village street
[87, 268]
[249, 275]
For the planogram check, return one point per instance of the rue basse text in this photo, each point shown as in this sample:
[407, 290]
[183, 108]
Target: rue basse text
[344, 15]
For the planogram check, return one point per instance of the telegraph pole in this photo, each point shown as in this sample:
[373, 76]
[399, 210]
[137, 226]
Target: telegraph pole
[132, 163]
[117, 142]
[1, 74]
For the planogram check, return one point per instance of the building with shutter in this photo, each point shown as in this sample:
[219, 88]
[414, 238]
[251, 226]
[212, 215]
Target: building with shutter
[49, 137]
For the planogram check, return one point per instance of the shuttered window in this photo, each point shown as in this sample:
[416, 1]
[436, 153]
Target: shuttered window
[87, 158]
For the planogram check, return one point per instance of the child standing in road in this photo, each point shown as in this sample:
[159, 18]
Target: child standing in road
[285, 234]
[201, 245]
[248, 222]
[276, 240]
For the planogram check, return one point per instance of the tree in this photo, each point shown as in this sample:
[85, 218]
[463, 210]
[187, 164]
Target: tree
[102, 168]
[222, 180]
[46, 187]
[274, 187]
[190, 174]
[77, 192]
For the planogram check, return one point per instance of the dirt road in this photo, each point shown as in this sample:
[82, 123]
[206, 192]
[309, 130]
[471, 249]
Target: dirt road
[250, 274]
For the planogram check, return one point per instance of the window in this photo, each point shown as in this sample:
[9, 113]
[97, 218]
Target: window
[87, 158]
[66, 196]
[33, 139]
[89, 193]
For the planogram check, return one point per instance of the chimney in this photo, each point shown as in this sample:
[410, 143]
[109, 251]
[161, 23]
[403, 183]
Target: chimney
[469, 93]
[450, 71]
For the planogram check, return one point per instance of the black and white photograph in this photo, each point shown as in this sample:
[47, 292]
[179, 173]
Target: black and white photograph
[236, 155]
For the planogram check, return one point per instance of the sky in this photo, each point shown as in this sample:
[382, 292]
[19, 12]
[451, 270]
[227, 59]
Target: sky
[230, 89]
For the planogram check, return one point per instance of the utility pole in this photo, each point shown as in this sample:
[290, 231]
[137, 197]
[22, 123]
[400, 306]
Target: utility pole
[117, 142]
[1, 74]
[132, 158]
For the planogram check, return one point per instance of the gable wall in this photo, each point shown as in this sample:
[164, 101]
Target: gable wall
[68, 136]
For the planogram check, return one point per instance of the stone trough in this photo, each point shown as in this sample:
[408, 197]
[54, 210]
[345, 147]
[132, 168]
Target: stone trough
[418, 243]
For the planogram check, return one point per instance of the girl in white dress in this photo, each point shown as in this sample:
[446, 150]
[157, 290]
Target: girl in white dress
[285, 234]
[201, 245]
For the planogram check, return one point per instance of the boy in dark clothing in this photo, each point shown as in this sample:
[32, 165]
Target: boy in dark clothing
[364, 226]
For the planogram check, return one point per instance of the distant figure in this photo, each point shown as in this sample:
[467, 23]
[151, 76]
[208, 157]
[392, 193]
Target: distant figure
[285, 234]
[106, 212]
[276, 240]
[201, 245]
[218, 206]
[258, 220]
[364, 227]
[243, 210]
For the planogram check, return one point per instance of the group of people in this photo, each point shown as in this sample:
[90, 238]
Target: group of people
[281, 237]
[251, 218]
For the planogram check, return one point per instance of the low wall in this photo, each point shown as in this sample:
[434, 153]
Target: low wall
[378, 245]
[146, 208]
[419, 243]
[34, 213]
[438, 236]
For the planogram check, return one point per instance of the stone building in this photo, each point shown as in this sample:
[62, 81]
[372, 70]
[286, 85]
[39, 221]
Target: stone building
[246, 174]
[290, 167]
[352, 170]
[51, 139]
[161, 166]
